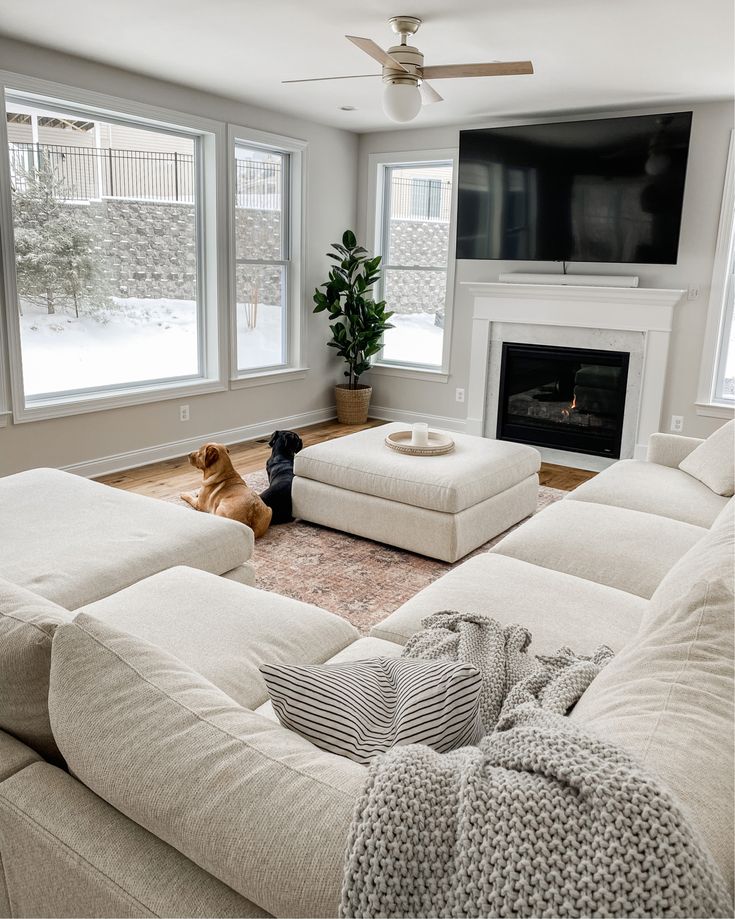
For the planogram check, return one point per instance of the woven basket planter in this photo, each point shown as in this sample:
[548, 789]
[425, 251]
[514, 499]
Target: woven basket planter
[352, 404]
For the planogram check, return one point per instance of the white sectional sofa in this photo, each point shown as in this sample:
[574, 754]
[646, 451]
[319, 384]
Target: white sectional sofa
[75, 541]
[142, 771]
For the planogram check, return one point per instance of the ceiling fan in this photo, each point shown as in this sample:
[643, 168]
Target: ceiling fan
[405, 76]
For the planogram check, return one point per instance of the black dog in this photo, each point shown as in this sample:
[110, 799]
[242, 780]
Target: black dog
[285, 445]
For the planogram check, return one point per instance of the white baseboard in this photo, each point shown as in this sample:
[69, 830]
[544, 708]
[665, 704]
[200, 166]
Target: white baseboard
[575, 460]
[640, 451]
[133, 458]
[435, 421]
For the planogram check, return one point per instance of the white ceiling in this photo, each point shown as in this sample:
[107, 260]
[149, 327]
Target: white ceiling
[588, 54]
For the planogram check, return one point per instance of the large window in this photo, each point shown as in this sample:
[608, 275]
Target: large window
[716, 396]
[724, 383]
[108, 252]
[266, 205]
[413, 238]
[261, 256]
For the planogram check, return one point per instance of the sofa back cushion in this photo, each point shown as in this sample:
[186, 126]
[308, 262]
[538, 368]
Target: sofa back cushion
[27, 625]
[713, 462]
[667, 698]
[247, 800]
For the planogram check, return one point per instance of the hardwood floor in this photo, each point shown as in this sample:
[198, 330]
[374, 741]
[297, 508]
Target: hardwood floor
[564, 477]
[170, 477]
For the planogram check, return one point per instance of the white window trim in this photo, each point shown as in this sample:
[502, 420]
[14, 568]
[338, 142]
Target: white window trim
[294, 368]
[212, 268]
[707, 403]
[374, 216]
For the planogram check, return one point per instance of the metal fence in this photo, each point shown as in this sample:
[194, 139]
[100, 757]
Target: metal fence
[258, 185]
[89, 173]
[86, 173]
[420, 199]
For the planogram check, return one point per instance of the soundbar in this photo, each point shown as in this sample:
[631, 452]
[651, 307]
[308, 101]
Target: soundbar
[574, 280]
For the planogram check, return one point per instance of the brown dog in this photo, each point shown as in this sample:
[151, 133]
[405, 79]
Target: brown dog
[223, 491]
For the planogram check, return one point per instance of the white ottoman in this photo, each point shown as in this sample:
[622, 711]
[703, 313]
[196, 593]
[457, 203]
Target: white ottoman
[440, 506]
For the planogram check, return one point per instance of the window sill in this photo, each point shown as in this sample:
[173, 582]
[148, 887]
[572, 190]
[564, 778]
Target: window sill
[714, 409]
[411, 373]
[269, 376]
[43, 411]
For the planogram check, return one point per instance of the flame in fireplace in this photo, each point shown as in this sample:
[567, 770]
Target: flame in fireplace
[566, 412]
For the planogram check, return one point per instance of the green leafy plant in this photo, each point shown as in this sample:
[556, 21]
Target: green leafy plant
[357, 321]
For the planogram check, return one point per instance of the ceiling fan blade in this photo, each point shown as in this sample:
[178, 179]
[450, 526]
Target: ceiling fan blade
[376, 52]
[497, 69]
[429, 94]
[350, 76]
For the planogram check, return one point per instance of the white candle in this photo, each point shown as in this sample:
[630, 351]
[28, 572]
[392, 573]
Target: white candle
[420, 435]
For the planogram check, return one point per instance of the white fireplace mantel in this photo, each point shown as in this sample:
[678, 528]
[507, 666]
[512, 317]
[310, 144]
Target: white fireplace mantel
[618, 309]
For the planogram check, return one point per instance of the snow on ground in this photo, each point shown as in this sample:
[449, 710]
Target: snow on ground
[134, 341]
[415, 339]
[261, 346]
[139, 340]
[730, 364]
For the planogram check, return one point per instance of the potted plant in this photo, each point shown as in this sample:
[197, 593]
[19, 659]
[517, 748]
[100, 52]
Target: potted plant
[357, 322]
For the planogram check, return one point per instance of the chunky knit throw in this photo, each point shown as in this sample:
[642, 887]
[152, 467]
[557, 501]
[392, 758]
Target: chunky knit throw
[541, 819]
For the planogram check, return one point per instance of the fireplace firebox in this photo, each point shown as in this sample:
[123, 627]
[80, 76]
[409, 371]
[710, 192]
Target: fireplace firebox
[566, 398]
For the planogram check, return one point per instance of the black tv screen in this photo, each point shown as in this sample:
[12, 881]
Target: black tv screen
[607, 190]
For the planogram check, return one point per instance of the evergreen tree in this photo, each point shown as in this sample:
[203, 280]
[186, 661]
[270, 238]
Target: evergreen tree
[53, 241]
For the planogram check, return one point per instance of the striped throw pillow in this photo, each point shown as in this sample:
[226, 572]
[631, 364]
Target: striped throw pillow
[362, 708]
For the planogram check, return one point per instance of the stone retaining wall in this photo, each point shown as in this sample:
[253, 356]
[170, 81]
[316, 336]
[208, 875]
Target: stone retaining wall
[149, 250]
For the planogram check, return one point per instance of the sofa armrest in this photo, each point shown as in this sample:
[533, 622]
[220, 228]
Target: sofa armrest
[670, 449]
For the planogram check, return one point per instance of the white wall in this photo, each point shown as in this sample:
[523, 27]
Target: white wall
[711, 126]
[331, 189]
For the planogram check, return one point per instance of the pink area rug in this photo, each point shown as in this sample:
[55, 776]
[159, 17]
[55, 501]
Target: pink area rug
[360, 580]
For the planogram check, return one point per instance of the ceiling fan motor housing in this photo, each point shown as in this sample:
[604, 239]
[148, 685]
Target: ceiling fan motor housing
[411, 58]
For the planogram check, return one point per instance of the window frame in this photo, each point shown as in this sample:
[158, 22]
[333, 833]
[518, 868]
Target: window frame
[719, 310]
[293, 236]
[209, 137]
[378, 168]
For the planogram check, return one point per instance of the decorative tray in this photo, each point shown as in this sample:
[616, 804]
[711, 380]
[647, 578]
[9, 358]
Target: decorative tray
[400, 441]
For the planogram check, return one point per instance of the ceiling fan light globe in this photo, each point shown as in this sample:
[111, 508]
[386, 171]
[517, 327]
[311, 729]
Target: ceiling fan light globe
[401, 101]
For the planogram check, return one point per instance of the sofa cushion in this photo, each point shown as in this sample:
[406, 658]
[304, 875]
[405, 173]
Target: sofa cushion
[27, 626]
[713, 462]
[14, 756]
[615, 546]
[360, 709]
[477, 469]
[97, 539]
[557, 608]
[224, 630]
[252, 803]
[68, 853]
[654, 489]
[667, 698]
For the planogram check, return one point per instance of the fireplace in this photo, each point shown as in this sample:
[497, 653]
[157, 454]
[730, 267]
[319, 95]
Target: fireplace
[565, 398]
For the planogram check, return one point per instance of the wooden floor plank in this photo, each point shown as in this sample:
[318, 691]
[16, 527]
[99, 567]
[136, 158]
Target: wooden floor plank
[170, 477]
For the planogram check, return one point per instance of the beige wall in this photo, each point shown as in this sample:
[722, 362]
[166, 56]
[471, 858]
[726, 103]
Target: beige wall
[330, 182]
[711, 128]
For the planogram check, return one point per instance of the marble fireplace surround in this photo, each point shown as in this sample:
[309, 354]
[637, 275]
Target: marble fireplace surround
[635, 319]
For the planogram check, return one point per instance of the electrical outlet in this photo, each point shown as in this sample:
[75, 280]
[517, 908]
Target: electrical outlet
[693, 292]
[677, 424]
[183, 413]
[459, 395]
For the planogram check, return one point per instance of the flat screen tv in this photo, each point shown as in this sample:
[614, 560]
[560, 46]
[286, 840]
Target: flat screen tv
[603, 190]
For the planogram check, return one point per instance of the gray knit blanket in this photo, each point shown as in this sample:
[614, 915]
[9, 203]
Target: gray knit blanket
[541, 819]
